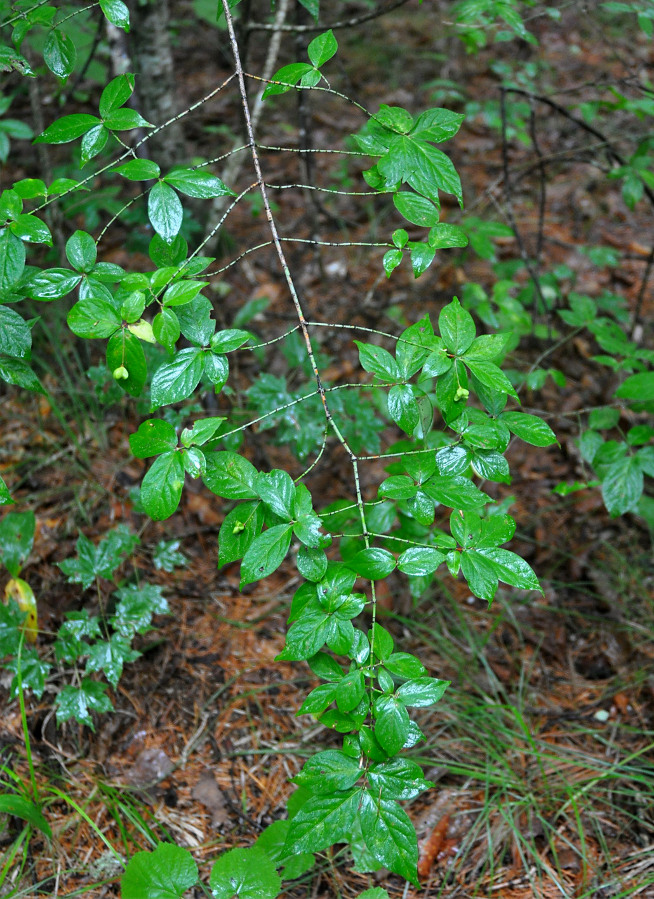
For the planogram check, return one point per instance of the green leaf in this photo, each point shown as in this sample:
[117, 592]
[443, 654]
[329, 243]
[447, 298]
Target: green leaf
[437, 125]
[198, 183]
[11, 628]
[622, 485]
[153, 437]
[125, 353]
[457, 327]
[422, 256]
[201, 432]
[93, 143]
[80, 702]
[165, 211]
[416, 209]
[390, 836]
[18, 372]
[403, 664]
[238, 531]
[67, 128]
[391, 723]
[137, 604]
[456, 492]
[307, 524]
[329, 771]
[15, 334]
[116, 94]
[5, 495]
[511, 568]
[101, 561]
[166, 873]
[373, 563]
[381, 642]
[350, 691]
[162, 486]
[93, 318]
[391, 261]
[182, 292]
[138, 170]
[420, 561]
[176, 380]
[165, 327]
[403, 408]
[244, 874]
[19, 807]
[422, 691]
[398, 486]
[529, 428]
[29, 227]
[266, 553]
[231, 476]
[59, 53]
[321, 822]
[229, 340]
[277, 491]
[12, 260]
[443, 236]
[638, 388]
[110, 657]
[490, 375]
[322, 48]
[378, 361]
[125, 119]
[398, 779]
[16, 540]
[51, 283]
[287, 77]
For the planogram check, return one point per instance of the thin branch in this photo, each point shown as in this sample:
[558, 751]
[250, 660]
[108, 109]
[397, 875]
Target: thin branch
[341, 23]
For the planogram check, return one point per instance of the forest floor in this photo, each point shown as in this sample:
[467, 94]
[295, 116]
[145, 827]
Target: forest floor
[542, 751]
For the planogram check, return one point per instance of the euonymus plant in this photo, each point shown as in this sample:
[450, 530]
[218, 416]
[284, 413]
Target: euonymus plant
[437, 382]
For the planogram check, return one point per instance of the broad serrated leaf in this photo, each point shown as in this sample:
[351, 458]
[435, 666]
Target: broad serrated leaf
[110, 656]
[321, 822]
[80, 702]
[244, 874]
[329, 771]
[390, 836]
[166, 873]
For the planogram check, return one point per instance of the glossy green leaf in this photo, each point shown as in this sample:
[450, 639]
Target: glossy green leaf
[124, 351]
[391, 723]
[93, 319]
[182, 292]
[231, 476]
[311, 563]
[287, 77]
[244, 874]
[456, 492]
[638, 388]
[5, 496]
[67, 128]
[165, 327]
[117, 13]
[153, 437]
[165, 211]
[162, 486]
[277, 491]
[16, 540]
[622, 485]
[403, 408]
[398, 778]
[138, 170]
[229, 340]
[350, 691]
[422, 691]
[422, 256]
[116, 94]
[390, 836]
[59, 53]
[321, 822]
[322, 48]
[329, 771]
[125, 119]
[176, 380]
[93, 143]
[197, 183]
[238, 531]
[403, 664]
[110, 656]
[416, 209]
[378, 361]
[373, 563]
[419, 561]
[266, 553]
[491, 376]
[166, 873]
[457, 327]
[32, 229]
[80, 702]
[15, 334]
[51, 284]
[18, 372]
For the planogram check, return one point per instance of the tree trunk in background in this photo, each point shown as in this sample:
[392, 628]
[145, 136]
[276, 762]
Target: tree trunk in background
[152, 58]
